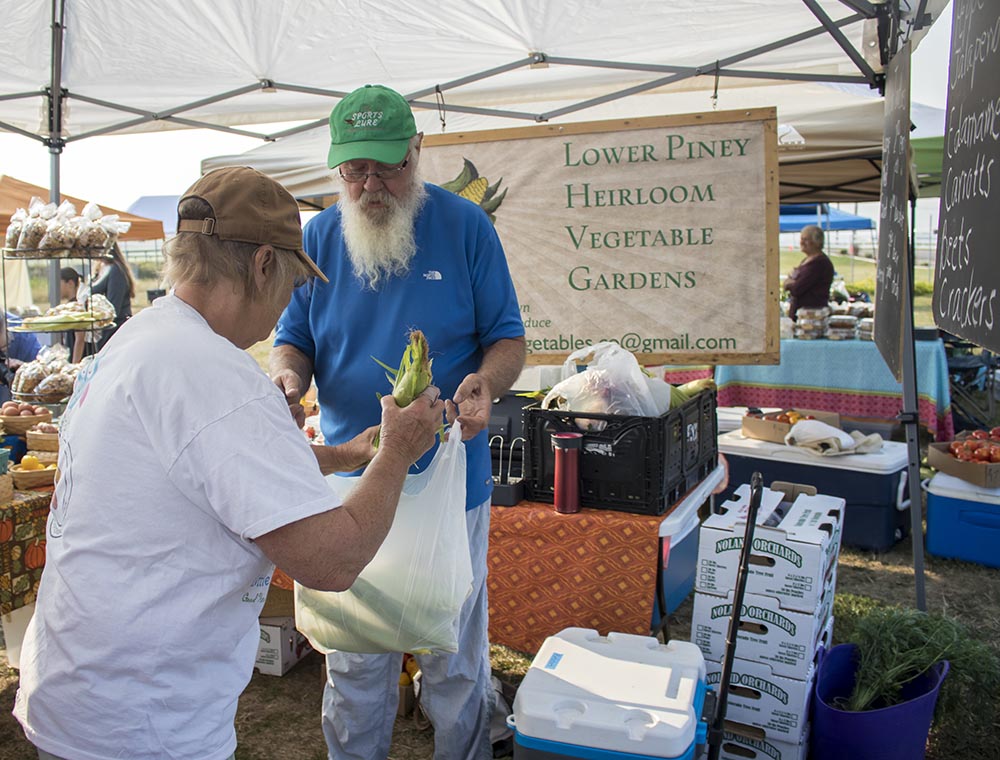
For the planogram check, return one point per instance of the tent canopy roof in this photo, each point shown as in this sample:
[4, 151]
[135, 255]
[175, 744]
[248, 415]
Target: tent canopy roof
[839, 157]
[238, 62]
[162, 207]
[793, 217]
[15, 194]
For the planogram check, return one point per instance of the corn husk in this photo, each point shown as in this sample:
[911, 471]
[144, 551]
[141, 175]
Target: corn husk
[414, 372]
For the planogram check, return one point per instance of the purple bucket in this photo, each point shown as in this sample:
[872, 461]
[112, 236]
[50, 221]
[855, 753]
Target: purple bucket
[898, 732]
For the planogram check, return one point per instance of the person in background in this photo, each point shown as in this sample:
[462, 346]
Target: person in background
[69, 284]
[16, 348]
[808, 285]
[402, 254]
[169, 513]
[113, 280]
[115, 283]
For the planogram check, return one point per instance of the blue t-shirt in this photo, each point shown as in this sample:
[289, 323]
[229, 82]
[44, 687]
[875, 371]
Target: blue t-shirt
[458, 292]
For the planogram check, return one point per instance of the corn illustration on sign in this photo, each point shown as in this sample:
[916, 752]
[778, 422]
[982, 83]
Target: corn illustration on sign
[472, 187]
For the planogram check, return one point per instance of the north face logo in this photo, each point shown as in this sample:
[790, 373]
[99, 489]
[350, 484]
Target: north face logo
[362, 119]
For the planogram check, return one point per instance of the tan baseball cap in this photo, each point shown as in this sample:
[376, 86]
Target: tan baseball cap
[248, 207]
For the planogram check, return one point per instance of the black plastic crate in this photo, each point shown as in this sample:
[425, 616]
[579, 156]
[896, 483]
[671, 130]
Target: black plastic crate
[635, 464]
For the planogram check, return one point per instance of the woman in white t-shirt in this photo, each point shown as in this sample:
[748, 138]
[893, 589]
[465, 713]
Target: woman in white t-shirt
[183, 479]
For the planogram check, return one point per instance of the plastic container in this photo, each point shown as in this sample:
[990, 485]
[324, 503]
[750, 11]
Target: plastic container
[635, 464]
[679, 534]
[874, 486]
[898, 732]
[963, 520]
[620, 696]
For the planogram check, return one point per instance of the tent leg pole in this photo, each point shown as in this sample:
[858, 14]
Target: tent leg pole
[911, 420]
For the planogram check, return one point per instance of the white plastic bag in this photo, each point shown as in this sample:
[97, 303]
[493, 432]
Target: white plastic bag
[409, 596]
[613, 383]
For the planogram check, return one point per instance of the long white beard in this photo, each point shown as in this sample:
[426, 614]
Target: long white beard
[380, 242]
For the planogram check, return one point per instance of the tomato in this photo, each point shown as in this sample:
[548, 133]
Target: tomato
[971, 444]
[995, 432]
[955, 446]
[995, 454]
[982, 454]
[808, 417]
[980, 434]
[783, 418]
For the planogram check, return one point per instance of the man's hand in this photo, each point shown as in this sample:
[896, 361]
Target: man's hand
[291, 386]
[410, 432]
[358, 451]
[472, 405]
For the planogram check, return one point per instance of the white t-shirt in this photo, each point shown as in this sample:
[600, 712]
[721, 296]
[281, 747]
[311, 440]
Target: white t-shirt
[176, 451]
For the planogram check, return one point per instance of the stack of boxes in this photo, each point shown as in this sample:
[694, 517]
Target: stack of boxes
[787, 613]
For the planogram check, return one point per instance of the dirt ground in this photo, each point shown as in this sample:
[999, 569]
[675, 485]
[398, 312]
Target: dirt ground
[278, 718]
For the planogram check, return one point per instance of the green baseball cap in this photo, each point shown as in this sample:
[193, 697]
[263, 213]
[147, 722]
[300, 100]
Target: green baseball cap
[373, 123]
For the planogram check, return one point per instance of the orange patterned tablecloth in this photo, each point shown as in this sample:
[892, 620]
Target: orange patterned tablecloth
[547, 571]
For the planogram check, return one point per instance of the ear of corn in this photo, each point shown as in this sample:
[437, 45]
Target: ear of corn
[475, 190]
[471, 186]
[414, 372]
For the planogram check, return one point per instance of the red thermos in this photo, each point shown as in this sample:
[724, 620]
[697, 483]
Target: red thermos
[567, 475]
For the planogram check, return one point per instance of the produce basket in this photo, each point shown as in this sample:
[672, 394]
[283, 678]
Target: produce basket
[45, 457]
[25, 480]
[40, 398]
[43, 441]
[18, 425]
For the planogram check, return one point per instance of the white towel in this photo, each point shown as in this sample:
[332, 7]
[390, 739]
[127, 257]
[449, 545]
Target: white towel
[827, 440]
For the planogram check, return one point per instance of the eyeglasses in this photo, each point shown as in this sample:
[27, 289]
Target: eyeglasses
[389, 172]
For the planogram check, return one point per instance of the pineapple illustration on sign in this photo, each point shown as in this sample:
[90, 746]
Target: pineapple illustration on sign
[472, 187]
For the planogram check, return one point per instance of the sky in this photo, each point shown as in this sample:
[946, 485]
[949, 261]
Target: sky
[116, 170]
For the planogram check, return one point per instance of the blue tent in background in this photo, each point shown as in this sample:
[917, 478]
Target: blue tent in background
[162, 207]
[794, 216]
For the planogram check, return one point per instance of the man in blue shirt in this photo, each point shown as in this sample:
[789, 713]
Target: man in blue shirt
[16, 349]
[400, 255]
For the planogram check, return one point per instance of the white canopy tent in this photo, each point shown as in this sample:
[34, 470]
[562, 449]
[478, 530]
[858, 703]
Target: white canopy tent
[80, 68]
[127, 66]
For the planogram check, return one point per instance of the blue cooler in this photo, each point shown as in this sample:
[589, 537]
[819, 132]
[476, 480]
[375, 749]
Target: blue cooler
[963, 520]
[679, 538]
[620, 697]
[873, 485]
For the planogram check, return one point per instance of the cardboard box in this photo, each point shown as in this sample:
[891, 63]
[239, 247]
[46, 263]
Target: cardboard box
[769, 430]
[280, 603]
[737, 745]
[280, 647]
[985, 475]
[784, 639]
[795, 545]
[758, 698]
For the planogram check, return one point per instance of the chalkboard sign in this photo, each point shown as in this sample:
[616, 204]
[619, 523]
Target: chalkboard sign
[891, 277]
[967, 272]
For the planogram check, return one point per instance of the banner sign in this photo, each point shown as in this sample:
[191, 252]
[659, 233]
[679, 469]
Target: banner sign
[658, 233]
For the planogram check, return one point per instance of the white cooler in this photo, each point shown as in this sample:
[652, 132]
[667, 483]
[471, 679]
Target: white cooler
[873, 485]
[620, 697]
